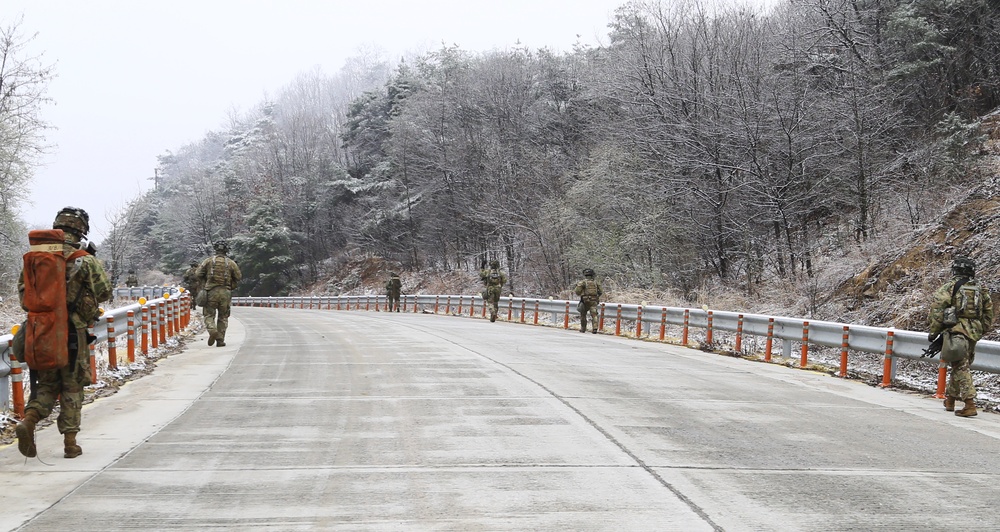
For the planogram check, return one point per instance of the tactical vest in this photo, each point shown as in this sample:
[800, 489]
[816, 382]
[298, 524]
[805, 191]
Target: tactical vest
[494, 278]
[218, 272]
[968, 301]
[590, 292]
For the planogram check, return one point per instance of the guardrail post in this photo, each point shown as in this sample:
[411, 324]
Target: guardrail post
[437, 300]
[169, 305]
[112, 345]
[638, 322]
[472, 306]
[709, 336]
[535, 317]
[154, 313]
[687, 322]
[522, 310]
[162, 313]
[739, 334]
[942, 380]
[130, 339]
[663, 324]
[510, 309]
[600, 319]
[16, 380]
[618, 321]
[887, 364]
[144, 324]
[566, 317]
[91, 348]
[447, 305]
[844, 344]
[459, 312]
[770, 340]
[804, 359]
[368, 302]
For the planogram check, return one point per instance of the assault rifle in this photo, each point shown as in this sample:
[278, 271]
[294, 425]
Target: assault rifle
[935, 347]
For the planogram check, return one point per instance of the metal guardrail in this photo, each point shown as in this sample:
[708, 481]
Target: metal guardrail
[163, 313]
[904, 344]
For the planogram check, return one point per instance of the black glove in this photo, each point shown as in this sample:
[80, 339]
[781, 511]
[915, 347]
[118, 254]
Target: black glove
[932, 336]
[91, 248]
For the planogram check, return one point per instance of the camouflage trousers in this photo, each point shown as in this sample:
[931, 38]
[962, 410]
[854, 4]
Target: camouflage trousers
[65, 385]
[588, 308]
[393, 301]
[492, 298]
[218, 304]
[960, 383]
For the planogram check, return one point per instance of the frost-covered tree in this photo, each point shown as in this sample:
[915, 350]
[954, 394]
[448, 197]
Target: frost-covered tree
[264, 252]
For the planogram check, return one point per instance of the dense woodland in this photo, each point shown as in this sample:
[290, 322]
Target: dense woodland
[696, 144]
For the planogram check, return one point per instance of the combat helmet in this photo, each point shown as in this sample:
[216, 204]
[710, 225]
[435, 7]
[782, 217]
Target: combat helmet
[587, 272]
[963, 267]
[73, 220]
[220, 246]
[494, 264]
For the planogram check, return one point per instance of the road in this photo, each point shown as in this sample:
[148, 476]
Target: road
[352, 420]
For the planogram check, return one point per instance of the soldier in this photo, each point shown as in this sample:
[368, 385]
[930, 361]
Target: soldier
[87, 286]
[590, 293]
[962, 311]
[218, 276]
[132, 279]
[494, 279]
[190, 281]
[393, 288]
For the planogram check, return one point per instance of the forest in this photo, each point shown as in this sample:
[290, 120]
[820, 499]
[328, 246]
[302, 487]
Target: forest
[698, 146]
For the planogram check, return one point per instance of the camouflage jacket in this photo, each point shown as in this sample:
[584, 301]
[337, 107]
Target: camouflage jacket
[493, 277]
[219, 271]
[581, 290]
[393, 285]
[87, 286]
[972, 328]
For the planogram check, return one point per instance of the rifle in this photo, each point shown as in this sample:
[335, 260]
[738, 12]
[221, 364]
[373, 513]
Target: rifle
[935, 347]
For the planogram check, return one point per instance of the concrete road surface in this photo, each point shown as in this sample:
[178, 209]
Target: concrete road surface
[337, 420]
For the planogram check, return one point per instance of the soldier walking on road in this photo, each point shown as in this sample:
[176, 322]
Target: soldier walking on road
[590, 293]
[494, 279]
[393, 289]
[87, 286]
[219, 275]
[191, 281]
[962, 311]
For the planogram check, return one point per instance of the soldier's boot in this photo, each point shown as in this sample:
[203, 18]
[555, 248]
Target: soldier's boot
[493, 316]
[70, 448]
[949, 403]
[583, 326]
[211, 337]
[593, 328]
[969, 410]
[220, 342]
[26, 433]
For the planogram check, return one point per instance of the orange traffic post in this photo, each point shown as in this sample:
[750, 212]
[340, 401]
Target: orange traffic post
[459, 312]
[162, 313]
[600, 319]
[566, 317]
[154, 314]
[447, 305]
[887, 364]
[112, 346]
[17, 381]
[804, 359]
[638, 322]
[130, 337]
[687, 322]
[663, 324]
[739, 334]
[708, 333]
[844, 344]
[536, 312]
[618, 321]
[93, 357]
[170, 317]
[437, 300]
[472, 306]
[522, 310]
[770, 340]
[942, 380]
[144, 324]
[510, 309]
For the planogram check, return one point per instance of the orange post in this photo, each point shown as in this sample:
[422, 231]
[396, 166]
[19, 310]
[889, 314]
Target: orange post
[162, 305]
[522, 310]
[687, 321]
[770, 340]
[739, 334]
[112, 346]
[708, 332]
[17, 382]
[169, 304]
[600, 319]
[447, 306]
[130, 337]
[368, 301]
[638, 322]
[460, 298]
[510, 309]
[844, 344]
[804, 359]
[536, 312]
[663, 323]
[437, 301]
[942, 379]
[566, 317]
[887, 364]
[618, 321]
[93, 357]
[155, 329]
[144, 324]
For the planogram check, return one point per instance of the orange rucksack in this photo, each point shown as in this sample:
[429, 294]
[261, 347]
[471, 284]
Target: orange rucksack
[46, 330]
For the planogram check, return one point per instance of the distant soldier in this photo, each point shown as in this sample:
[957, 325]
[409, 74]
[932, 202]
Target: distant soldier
[494, 279]
[191, 281]
[132, 279]
[219, 275]
[962, 311]
[590, 293]
[393, 288]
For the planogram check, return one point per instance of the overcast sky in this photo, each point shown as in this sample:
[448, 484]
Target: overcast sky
[136, 79]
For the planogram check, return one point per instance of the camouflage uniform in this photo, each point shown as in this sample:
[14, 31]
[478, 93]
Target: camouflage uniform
[218, 275]
[131, 280]
[960, 385]
[590, 293]
[393, 289]
[191, 281]
[494, 279]
[86, 288]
